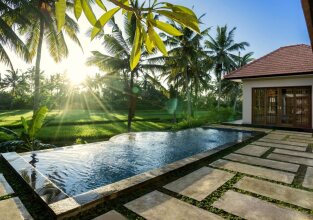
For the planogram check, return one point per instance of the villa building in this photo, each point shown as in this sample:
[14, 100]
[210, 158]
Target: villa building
[277, 88]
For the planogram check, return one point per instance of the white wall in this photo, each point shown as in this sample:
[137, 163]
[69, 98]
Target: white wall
[248, 84]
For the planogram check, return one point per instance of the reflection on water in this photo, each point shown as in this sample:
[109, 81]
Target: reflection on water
[81, 168]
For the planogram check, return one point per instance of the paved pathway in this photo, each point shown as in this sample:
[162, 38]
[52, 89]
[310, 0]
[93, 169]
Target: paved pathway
[264, 188]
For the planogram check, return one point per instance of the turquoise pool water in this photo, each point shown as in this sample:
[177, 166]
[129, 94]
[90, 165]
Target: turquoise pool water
[81, 168]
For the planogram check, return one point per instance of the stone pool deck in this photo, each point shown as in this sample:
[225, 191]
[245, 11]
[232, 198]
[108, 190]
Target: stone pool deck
[271, 178]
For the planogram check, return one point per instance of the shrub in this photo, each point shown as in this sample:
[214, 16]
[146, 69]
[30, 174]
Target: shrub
[5, 137]
[212, 116]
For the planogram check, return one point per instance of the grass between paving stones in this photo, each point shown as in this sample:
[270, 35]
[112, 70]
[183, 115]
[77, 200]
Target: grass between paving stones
[298, 180]
[6, 197]
[310, 148]
[268, 152]
[286, 138]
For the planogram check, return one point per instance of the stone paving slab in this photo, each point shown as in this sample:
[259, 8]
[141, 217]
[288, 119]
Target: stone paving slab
[5, 188]
[13, 209]
[301, 137]
[291, 159]
[308, 179]
[252, 208]
[266, 173]
[294, 153]
[286, 194]
[200, 183]
[300, 140]
[283, 142]
[297, 133]
[263, 162]
[275, 136]
[111, 215]
[253, 150]
[283, 146]
[159, 206]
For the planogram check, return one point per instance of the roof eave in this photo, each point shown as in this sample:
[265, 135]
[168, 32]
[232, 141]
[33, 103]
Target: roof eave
[267, 76]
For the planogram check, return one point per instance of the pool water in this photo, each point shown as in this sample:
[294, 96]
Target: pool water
[81, 168]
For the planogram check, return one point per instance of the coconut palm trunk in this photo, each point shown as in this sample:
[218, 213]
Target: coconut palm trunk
[132, 102]
[219, 93]
[37, 70]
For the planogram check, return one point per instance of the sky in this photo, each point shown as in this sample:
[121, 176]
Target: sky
[265, 24]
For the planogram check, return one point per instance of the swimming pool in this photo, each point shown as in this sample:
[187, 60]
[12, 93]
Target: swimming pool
[78, 169]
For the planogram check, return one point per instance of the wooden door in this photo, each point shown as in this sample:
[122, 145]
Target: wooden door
[286, 107]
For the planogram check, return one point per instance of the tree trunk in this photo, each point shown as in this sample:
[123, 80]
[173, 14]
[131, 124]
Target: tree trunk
[235, 105]
[37, 70]
[219, 93]
[188, 94]
[188, 99]
[196, 98]
[132, 102]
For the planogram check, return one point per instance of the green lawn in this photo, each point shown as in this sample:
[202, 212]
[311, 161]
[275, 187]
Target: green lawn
[93, 132]
[56, 132]
[8, 118]
[62, 134]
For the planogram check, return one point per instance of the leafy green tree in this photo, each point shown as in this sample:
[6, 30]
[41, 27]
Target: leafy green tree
[43, 27]
[187, 63]
[221, 49]
[118, 46]
[234, 89]
[15, 82]
[8, 19]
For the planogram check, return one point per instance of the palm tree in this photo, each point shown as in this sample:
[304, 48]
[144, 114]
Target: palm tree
[12, 80]
[42, 27]
[117, 60]
[234, 89]
[9, 17]
[188, 64]
[221, 49]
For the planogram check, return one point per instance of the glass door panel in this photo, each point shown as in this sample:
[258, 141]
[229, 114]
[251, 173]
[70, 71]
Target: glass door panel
[259, 106]
[302, 107]
[287, 106]
[272, 106]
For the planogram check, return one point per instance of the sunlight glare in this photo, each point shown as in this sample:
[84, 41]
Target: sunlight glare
[76, 78]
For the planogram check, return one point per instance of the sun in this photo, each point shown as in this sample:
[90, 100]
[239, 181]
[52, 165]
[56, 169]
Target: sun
[76, 78]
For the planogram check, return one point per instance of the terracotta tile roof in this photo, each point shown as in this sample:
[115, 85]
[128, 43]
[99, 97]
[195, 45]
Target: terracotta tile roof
[290, 60]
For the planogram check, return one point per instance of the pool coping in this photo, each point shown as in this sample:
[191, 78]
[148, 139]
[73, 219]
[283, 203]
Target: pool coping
[63, 205]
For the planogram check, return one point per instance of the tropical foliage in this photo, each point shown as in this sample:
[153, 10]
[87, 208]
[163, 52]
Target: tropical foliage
[117, 63]
[27, 137]
[158, 59]
[222, 49]
[187, 63]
